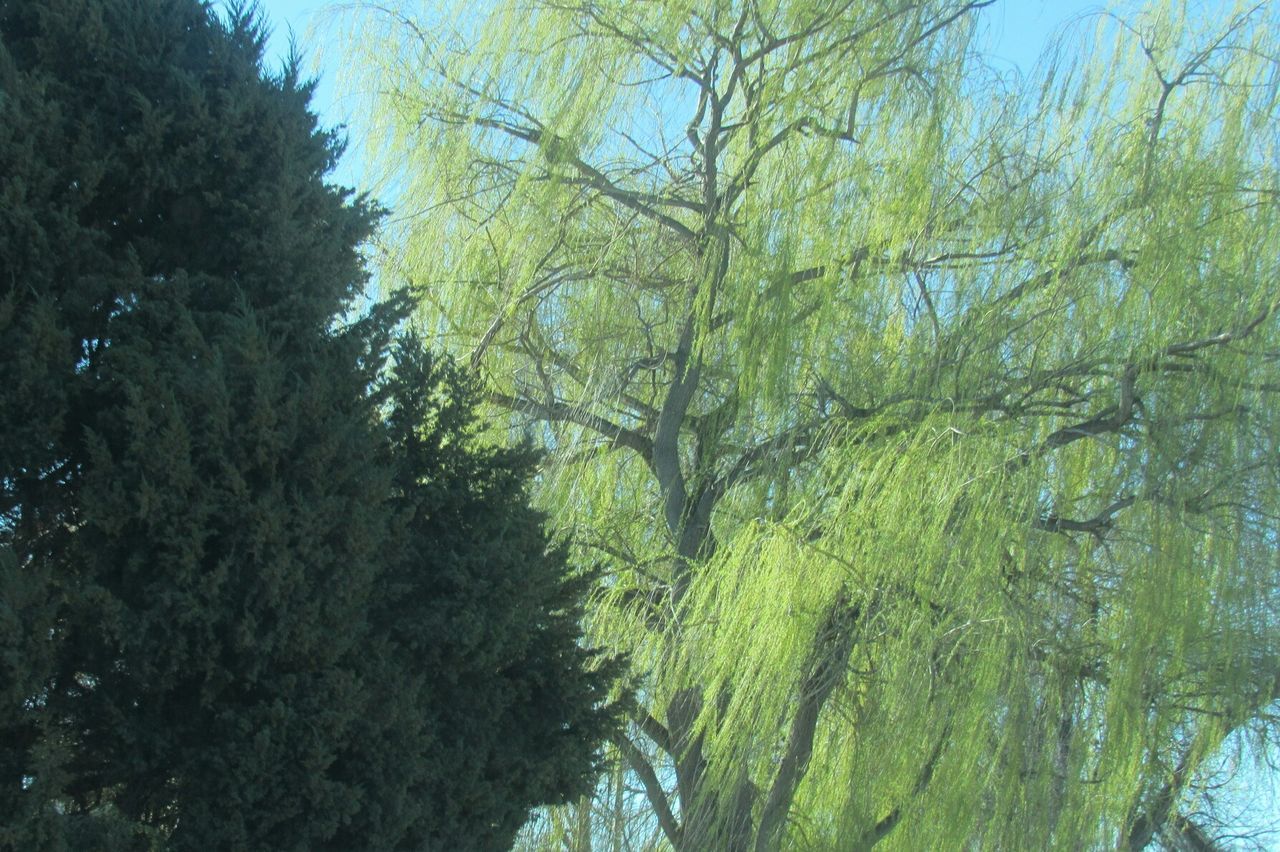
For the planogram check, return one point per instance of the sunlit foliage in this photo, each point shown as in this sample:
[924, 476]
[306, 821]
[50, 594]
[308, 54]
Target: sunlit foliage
[924, 421]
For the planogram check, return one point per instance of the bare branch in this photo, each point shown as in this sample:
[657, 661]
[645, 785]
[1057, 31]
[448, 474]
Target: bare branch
[562, 413]
[1096, 526]
[591, 176]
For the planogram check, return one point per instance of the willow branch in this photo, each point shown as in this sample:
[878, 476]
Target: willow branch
[1095, 526]
[829, 655]
[591, 176]
[1144, 827]
[656, 731]
[619, 436]
[652, 788]
[885, 826]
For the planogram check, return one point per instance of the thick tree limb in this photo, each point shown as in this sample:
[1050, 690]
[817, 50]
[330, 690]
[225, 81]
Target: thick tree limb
[1191, 835]
[829, 657]
[1095, 526]
[671, 416]
[619, 436]
[652, 788]
[1143, 827]
[886, 824]
[656, 731]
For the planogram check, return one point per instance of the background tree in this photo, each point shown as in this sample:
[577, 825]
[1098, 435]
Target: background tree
[924, 422]
[257, 589]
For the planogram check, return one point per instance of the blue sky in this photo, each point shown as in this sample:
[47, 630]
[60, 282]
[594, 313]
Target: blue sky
[1019, 28]
[1017, 32]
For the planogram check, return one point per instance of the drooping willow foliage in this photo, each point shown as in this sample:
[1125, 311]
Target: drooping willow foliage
[924, 422]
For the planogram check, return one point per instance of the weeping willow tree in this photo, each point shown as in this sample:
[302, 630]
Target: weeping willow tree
[923, 422]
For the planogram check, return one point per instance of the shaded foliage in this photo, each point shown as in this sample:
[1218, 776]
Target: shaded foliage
[261, 586]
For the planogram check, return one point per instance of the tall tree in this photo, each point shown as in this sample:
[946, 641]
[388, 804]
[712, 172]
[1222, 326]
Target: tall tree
[260, 586]
[924, 422]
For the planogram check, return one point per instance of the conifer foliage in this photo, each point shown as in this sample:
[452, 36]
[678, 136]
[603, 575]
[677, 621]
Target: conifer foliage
[260, 584]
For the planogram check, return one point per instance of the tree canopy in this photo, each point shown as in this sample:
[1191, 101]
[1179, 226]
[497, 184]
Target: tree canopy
[261, 585]
[923, 420]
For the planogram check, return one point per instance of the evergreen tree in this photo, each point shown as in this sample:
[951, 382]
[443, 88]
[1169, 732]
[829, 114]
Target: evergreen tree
[260, 585]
